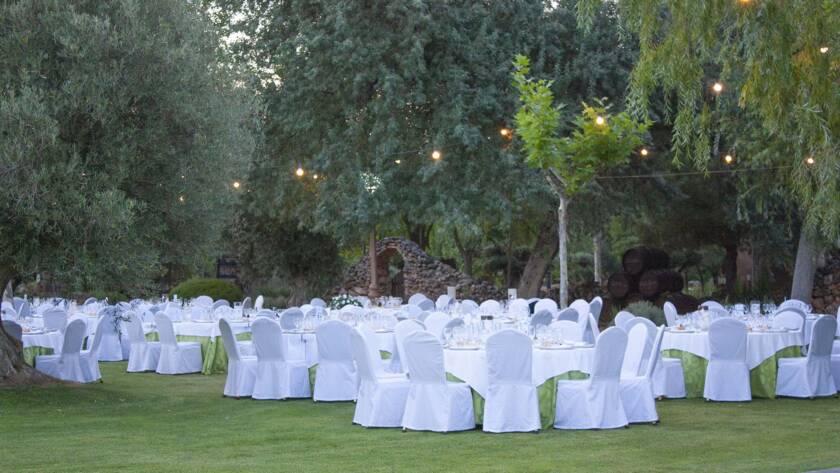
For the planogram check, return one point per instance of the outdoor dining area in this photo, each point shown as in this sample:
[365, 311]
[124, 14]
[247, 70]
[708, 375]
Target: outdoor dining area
[447, 365]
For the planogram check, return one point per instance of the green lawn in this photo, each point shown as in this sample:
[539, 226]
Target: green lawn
[147, 422]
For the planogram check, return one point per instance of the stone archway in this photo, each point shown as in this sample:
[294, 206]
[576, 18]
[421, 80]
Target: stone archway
[420, 274]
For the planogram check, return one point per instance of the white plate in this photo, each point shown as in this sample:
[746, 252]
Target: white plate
[299, 332]
[582, 345]
[384, 330]
[685, 330]
[553, 347]
[464, 348]
[34, 332]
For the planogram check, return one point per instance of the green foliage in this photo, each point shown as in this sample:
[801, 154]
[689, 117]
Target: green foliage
[120, 131]
[647, 310]
[596, 140]
[215, 288]
[343, 300]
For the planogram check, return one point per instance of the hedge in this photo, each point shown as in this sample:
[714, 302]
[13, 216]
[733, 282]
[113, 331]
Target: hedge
[215, 288]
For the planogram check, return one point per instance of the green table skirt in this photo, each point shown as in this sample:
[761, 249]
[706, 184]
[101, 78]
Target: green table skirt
[546, 396]
[30, 353]
[762, 377]
[213, 351]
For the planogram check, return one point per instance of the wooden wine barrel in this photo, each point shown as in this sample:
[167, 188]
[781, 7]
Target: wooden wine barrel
[640, 259]
[620, 284]
[683, 302]
[656, 281]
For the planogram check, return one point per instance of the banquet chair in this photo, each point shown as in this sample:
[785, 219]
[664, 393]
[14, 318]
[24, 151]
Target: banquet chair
[223, 312]
[426, 305]
[568, 314]
[542, 317]
[91, 357]
[519, 308]
[24, 310]
[110, 345]
[143, 355]
[443, 301]
[67, 365]
[592, 331]
[433, 403]
[637, 391]
[670, 313]
[622, 318]
[415, 298]
[582, 308]
[511, 403]
[175, 357]
[793, 304]
[199, 312]
[435, 323]
[570, 330]
[290, 319]
[787, 319]
[467, 306]
[266, 313]
[174, 312]
[13, 329]
[595, 306]
[422, 317]
[378, 364]
[335, 378]
[258, 303]
[595, 403]
[276, 377]
[18, 301]
[810, 376]
[205, 301]
[55, 319]
[454, 322]
[634, 353]
[247, 303]
[546, 304]
[306, 308]
[401, 331]
[381, 398]
[727, 375]
[241, 370]
[490, 307]
[219, 303]
[709, 305]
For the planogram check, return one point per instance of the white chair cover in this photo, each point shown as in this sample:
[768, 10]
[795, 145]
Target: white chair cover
[91, 356]
[727, 375]
[142, 355]
[637, 337]
[381, 399]
[546, 304]
[670, 314]
[582, 308]
[175, 313]
[788, 320]
[416, 298]
[318, 302]
[403, 329]
[490, 307]
[67, 365]
[290, 318]
[595, 306]
[109, 343]
[542, 317]
[570, 330]
[205, 301]
[569, 314]
[467, 306]
[810, 376]
[456, 322]
[511, 403]
[443, 302]
[258, 303]
[637, 391]
[336, 378]
[595, 403]
[794, 304]
[219, 303]
[377, 363]
[55, 319]
[622, 318]
[175, 357]
[247, 303]
[433, 403]
[426, 305]
[519, 308]
[709, 305]
[414, 311]
[241, 371]
[435, 323]
[276, 377]
[24, 310]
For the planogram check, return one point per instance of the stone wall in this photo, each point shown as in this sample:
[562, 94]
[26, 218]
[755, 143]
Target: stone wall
[421, 274]
[826, 296]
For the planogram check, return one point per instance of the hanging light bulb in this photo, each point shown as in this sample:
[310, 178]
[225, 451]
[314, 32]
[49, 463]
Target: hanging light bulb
[823, 49]
[644, 152]
[506, 133]
[397, 161]
[810, 161]
[728, 159]
[237, 184]
[599, 120]
[436, 155]
[717, 87]
[181, 199]
[299, 172]
[315, 177]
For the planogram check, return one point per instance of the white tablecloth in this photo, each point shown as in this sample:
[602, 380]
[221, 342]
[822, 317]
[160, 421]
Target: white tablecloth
[303, 346]
[760, 345]
[471, 365]
[52, 340]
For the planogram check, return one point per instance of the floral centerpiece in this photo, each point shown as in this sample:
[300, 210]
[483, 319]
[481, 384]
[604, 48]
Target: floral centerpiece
[343, 300]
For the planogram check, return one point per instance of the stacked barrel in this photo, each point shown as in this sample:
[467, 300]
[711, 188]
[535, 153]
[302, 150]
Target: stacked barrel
[647, 275]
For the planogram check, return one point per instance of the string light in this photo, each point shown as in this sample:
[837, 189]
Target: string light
[824, 49]
[181, 199]
[237, 184]
[397, 161]
[506, 133]
[643, 152]
[315, 177]
[436, 155]
[810, 161]
[717, 87]
[599, 120]
[728, 159]
[299, 172]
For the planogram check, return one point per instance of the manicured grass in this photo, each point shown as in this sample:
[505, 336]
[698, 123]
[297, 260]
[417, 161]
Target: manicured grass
[146, 422]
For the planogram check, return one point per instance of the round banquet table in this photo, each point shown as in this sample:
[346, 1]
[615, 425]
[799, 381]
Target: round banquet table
[548, 366]
[302, 345]
[207, 334]
[45, 343]
[763, 351]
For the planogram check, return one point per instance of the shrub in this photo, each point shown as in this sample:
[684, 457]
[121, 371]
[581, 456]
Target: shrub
[647, 310]
[215, 288]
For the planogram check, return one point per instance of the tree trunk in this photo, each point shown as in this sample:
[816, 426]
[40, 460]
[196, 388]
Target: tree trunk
[804, 268]
[540, 260]
[418, 232]
[466, 253]
[597, 249]
[562, 252]
[13, 370]
[373, 290]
